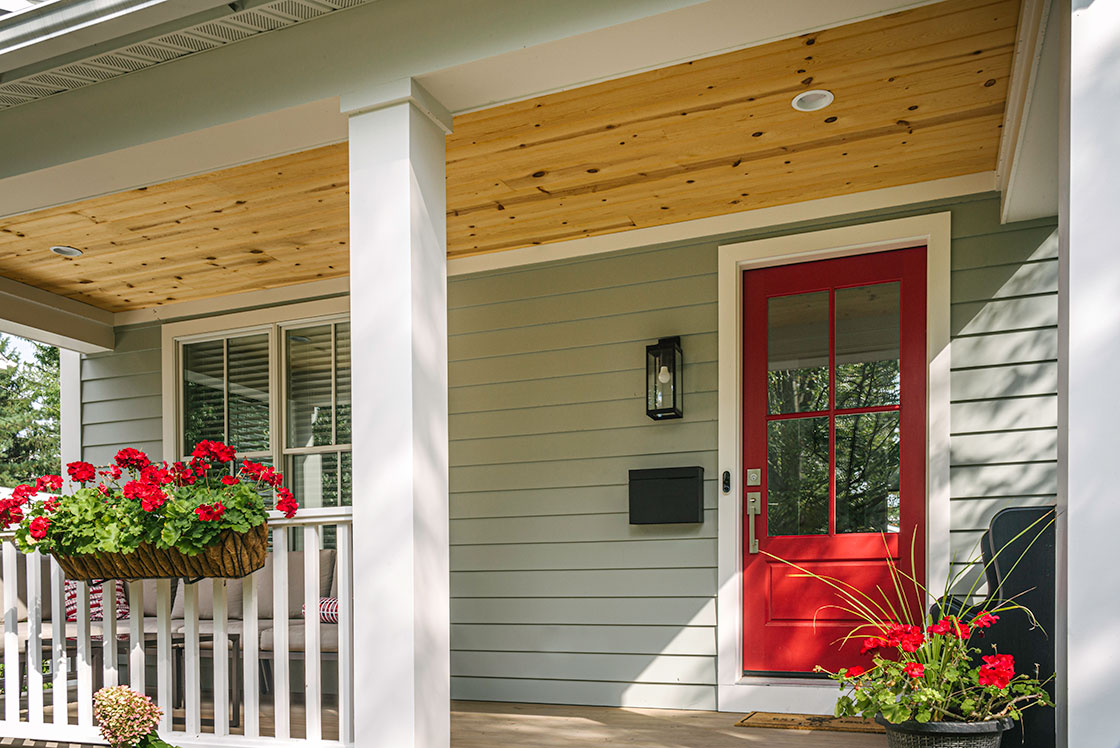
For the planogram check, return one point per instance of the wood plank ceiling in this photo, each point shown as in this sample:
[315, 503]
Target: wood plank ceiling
[919, 96]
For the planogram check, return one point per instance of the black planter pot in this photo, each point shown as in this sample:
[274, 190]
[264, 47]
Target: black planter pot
[945, 734]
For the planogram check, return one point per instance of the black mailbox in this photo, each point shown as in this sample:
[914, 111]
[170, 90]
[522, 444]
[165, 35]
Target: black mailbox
[666, 496]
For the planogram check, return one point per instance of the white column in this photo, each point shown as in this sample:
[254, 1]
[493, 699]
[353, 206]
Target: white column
[1089, 630]
[398, 312]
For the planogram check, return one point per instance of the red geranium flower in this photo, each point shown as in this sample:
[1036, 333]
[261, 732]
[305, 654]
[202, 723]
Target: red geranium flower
[915, 669]
[132, 459]
[22, 493]
[951, 626]
[229, 480]
[51, 504]
[984, 619]
[287, 503]
[48, 482]
[38, 528]
[10, 512]
[182, 475]
[997, 670]
[210, 512]
[157, 474]
[81, 472]
[214, 451]
[854, 672]
[112, 471]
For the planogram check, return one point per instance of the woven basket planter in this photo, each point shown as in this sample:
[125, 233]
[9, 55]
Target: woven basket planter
[945, 734]
[235, 555]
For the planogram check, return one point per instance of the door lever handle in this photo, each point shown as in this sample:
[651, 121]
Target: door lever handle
[754, 509]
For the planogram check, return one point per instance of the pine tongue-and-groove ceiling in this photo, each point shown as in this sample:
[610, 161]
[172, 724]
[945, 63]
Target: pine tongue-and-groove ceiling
[919, 96]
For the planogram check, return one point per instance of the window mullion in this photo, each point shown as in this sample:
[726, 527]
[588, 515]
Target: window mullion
[225, 389]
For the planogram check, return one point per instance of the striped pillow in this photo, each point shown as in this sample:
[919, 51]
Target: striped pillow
[328, 609]
[95, 605]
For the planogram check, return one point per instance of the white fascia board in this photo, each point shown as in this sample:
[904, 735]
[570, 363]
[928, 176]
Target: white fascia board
[36, 314]
[55, 29]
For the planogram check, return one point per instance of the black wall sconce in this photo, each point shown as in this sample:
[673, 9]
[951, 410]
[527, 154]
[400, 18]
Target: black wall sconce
[665, 379]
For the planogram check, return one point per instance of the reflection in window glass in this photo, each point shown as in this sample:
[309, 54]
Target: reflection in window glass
[204, 397]
[248, 393]
[798, 352]
[314, 479]
[867, 345]
[342, 378]
[797, 486]
[310, 387]
[867, 460]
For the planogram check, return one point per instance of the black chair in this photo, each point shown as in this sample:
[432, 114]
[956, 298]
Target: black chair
[1018, 554]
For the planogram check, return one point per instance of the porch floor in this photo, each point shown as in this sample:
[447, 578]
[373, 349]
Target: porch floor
[476, 724]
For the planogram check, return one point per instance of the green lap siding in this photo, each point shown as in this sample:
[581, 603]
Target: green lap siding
[555, 596]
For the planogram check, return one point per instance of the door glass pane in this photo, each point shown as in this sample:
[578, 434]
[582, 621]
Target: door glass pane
[867, 345]
[867, 498]
[309, 386]
[342, 362]
[314, 479]
[797, 344]
[204, 398]
[797, 486]
[248, 393]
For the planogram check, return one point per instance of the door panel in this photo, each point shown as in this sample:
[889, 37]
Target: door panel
[835, 414]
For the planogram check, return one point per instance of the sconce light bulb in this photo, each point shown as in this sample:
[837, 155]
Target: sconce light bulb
[663, 375]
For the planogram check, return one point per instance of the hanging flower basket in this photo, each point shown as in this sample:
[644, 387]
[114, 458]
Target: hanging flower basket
[235, 555]
[136, 519]
[912, 734]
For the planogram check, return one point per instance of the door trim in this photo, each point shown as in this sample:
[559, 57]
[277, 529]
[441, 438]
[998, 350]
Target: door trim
[736, 692]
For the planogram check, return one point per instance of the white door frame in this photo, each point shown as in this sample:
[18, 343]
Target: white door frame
[736, 692]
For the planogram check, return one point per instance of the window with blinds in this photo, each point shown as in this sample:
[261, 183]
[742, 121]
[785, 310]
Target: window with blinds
[227, 394]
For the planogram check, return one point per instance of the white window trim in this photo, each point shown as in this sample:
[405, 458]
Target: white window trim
[736, 692]
[232, 324]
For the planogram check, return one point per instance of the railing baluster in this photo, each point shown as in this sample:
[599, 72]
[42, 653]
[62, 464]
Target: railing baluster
[59, 686]
[164, 687]
[191, 661]
[312, 678]
[136, 636]
[344, 564]
[11, 633]
[220, 641]
[34, 638]
[109, 665]
[281, 690]
[84, 664]
[249, 642]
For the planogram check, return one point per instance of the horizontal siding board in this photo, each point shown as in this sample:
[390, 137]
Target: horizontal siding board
[551, 419]
[121, 409]
[106, 366]
[650, 640]
[1010, 446]
[1005, 348]
[600, 387]
[1004, 381]
[608, 302]
[977, 242]
[136, 385]
[104, 454]
[577, 610]
[552, 501]
[1004, 315]
[650, 695]
[649, 554]
[1004, 281]
[138, 338]
[586, 583]
[610, 271]
[572, 528]
[1022, 479]
[1038, 411]
[626, 668]
[654, 439]
[643, 327]
[590, 359]
[123, 433]
[976, 514]
[568, 473]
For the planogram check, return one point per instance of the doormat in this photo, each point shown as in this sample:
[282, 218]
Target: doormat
[808, 722]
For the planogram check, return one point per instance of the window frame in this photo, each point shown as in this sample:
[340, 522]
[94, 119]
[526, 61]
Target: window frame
[273, 321]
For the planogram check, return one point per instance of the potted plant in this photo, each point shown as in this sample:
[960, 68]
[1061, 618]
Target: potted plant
[931, 683]
[136, 519]
[127, 719]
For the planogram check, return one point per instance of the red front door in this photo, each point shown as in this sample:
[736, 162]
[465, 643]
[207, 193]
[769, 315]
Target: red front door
[834, 362]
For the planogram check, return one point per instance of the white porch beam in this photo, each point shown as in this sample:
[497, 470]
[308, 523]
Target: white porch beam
[56, 320]
[1089, 360]
[398, 312]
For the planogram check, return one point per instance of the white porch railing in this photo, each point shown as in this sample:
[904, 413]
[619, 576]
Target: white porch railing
[268, 625]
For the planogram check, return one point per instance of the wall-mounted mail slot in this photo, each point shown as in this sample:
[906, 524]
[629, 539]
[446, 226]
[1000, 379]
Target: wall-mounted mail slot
[666, 496]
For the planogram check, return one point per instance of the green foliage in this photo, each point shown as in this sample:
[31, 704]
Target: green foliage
[29, 413]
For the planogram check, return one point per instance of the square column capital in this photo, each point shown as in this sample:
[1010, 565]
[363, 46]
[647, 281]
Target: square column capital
[393, 93]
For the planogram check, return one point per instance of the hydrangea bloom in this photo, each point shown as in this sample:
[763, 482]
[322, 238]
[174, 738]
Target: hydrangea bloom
[124, 716]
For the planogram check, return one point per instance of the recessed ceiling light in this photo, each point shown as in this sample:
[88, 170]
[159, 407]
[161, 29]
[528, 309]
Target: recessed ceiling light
[67, 251]
[812, 101]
